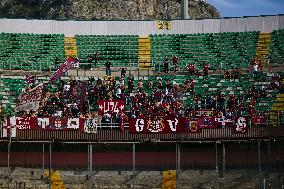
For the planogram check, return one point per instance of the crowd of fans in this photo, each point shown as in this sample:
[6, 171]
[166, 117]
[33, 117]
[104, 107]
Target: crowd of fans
[145, 98]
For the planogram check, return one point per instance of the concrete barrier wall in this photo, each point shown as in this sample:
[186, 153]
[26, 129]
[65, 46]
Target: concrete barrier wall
[142, 28]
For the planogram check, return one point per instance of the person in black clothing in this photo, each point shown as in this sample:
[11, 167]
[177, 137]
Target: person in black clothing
[123, 72]
[89, 62]
[108, 69]
[96, 59]
[56, 63]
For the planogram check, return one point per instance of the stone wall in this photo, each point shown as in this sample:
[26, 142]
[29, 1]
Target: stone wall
[188, 179]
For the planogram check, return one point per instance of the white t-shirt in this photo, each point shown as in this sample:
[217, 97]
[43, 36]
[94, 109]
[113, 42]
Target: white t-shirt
[255, 68]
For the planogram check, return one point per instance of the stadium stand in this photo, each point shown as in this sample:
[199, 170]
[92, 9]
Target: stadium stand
[144, 122]
[120, 50]
[21, 51]
[228, 50]
[276, 47]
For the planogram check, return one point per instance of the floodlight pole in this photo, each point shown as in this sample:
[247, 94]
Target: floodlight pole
[184, 9]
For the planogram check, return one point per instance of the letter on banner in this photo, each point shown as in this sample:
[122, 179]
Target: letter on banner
[73, 123]
[139, 125]
[43, 122]
[173, 127]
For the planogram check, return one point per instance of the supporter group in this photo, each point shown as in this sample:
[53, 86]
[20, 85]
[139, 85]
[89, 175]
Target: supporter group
[147, 97]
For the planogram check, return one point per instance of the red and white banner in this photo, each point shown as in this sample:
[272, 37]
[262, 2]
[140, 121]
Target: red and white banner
[67, 65]
[112, 106]
[29, 100]
[158, 125]
[258, 120]
[241, 125]
[51, 123]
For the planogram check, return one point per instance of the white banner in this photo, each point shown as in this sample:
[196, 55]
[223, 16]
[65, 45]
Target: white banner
[73, 123]
[90, 126]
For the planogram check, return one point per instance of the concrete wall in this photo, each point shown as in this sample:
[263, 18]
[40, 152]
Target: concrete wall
[237, 179]
[142, 28]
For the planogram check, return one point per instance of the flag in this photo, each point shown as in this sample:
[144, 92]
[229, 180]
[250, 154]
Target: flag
[206, 122]
[90, 126]
[9, 130]
[192, 126]
[73, 123]
[258, 120]
[223, 122]
[30, 79]
[67, 65]
[57, 123]
[114, 106]
[31, 100]
[241, 125]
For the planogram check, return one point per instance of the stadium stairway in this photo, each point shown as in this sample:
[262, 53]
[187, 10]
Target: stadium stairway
[278, 105]
[70, 47]
[262, 50]
[56, 180]
[279, 102]
[144, 52]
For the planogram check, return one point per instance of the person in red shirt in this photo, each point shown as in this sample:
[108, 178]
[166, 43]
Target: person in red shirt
[191, 69]
[205, 69]
[175, 62]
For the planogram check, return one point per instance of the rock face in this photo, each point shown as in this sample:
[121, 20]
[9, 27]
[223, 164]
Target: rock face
[104, 9]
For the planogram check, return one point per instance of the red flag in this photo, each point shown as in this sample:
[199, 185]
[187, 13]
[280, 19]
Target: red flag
[67, 65]
[258, 120]
[57, 123]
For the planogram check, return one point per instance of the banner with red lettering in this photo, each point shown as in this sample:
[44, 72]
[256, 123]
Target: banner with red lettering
[29, 100]
[241, 125]
[258, 120]
[112, 106]
[156, 125]
[67, 65]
